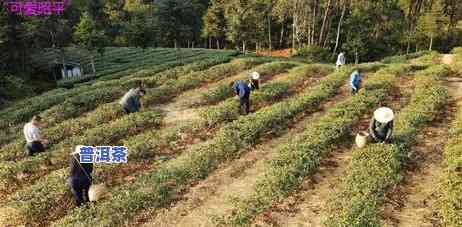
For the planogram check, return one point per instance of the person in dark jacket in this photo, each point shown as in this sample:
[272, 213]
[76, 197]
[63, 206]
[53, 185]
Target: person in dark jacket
[381, 126]
[242, 90]
[80, 178]
[131, 101]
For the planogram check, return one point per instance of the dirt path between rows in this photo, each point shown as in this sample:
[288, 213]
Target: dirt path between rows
[412, 202]
[306, 206]
[210, 199]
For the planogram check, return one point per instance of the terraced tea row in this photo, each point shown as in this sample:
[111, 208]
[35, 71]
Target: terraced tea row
[377, 167]
[301, 157]
[201, 159]
[22, 112]
[152, 141]
[171, 88]
[163, 93]
[449, 190]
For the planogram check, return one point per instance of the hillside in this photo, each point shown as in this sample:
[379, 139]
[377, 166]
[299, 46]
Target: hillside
[195, 161]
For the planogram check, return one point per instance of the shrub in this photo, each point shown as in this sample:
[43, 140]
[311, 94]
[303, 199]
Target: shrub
[432, 57]
[449, 190]
[229, 109]
[156, 188]
[457, 64]
[105, 134]
[315, 53]
[303, 154]
[404, 58]
[78, 104]
[224, 91]
[91, 94]
[141, 146]
[376, 167]
[13, 87]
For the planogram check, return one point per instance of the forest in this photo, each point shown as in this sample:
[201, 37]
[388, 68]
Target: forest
[318, 29]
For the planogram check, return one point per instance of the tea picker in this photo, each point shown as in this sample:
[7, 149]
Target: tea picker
[131, 101]
[355, 81]
[242, 90]
[80, 178]
[381, 125]
[34, 141]
[380, 128]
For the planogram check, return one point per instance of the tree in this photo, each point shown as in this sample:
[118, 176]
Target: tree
[215, 23]
[140, 30]
[176, 21]
[345, 5]
[431, 23]
[88, 36]
[453, 10]
[243, 20]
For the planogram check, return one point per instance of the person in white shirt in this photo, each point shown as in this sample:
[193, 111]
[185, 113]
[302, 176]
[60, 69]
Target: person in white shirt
[340, 60]
[34, 142]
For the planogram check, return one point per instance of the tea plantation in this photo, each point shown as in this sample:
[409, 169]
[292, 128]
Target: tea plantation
[194, 160]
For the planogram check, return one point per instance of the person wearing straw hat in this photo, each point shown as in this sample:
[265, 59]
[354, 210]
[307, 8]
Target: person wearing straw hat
[355, 81]
[242, 90]
[80, 178]
[381, 126]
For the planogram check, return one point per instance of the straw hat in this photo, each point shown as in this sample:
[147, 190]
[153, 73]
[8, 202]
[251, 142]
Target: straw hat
[255, 76]
[384, 115]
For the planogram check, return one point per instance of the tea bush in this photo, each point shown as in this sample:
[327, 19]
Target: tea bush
[449, 190]
[156, 188]
[82, 99]
[457, 64]
[162, 94]
[173, 87]
[224, 91]
[302, 155]
[229, 109]
[145, 145]
[404, 58]
[104, 134]
[376, 168]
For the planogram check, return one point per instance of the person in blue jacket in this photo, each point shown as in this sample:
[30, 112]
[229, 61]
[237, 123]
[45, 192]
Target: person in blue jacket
[355, 81]
[80, 178]
[242, 90]
[131, 101]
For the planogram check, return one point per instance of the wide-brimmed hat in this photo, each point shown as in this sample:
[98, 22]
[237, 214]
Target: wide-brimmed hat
[384, 115]
[255, 75]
